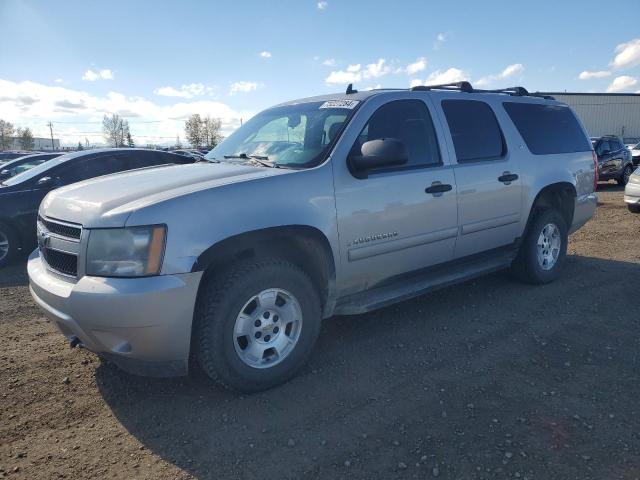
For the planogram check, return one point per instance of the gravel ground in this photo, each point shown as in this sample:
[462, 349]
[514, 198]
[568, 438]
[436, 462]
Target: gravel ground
[489, 379]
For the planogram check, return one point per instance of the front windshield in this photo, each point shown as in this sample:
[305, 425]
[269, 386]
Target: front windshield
[295, 136]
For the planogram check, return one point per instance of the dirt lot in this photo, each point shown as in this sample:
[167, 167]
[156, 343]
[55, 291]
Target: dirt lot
[489, 379]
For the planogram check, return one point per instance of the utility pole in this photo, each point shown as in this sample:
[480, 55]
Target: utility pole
[50, 125]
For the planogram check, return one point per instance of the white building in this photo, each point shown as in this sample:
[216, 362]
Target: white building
[606, 113]
[40, 144]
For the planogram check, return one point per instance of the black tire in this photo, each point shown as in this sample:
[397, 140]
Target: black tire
[221, 300]
[6, 232]
[526, 266]
[626, 173]
[633, 208]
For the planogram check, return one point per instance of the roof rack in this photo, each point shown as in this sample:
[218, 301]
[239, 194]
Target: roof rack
[462, 86]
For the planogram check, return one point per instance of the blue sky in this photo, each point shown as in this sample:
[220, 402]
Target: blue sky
[70, 62]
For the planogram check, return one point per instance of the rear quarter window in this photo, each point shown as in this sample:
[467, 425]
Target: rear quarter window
[548, 129]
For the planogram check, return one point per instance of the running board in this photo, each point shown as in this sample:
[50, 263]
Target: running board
[418, 283]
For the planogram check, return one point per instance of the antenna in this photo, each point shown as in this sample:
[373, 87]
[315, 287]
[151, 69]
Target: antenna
[350, 89]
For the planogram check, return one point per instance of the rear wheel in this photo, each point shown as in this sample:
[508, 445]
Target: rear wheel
[256, 324]
[8, 244]
[626, 173]
[543, 250]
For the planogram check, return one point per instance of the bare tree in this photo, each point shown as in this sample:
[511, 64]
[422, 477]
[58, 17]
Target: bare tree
[211, 128]
[116, 131]
[193, 131]
[6, 133]
[25, 137]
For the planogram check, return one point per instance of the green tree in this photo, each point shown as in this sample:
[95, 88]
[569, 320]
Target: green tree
[129, 139]
[6, 133]
[115, 130]
[25, 137]
[80, 147]
[211, 128]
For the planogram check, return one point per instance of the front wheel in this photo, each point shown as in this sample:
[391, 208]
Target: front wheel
[8, 244]
[626, 174]
[543, 249]
[256, 324]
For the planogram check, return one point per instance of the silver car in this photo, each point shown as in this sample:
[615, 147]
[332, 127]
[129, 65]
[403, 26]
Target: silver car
[339, 204]
[632, 192]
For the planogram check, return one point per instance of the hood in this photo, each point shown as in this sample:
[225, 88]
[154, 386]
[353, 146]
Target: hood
[108, 201]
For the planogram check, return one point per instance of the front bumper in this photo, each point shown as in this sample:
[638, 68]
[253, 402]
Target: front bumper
[143, 325]
[632, 193]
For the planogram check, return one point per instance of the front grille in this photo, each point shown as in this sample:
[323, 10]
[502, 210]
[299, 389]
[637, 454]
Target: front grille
[59, 244]
[62, 229]
[65, 263]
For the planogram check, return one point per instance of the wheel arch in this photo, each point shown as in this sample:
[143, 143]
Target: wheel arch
[561, 196]
[302, 245]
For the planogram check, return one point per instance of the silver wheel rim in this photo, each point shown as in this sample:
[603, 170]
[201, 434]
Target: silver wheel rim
[549, 243]
[267, 329]
[4, 246]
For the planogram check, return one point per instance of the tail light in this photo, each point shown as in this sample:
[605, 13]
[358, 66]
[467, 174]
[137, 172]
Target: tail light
[595, 172]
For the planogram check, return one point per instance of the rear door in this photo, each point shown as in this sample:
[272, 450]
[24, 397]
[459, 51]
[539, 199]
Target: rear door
[487, 176]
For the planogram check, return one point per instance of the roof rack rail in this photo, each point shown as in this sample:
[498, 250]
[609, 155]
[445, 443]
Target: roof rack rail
[542, 95]
[462, 86]
[515, 91]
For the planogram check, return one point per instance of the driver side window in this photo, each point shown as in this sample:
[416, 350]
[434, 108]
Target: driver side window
[408, 121]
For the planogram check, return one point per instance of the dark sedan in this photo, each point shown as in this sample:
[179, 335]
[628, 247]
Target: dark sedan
[20, 196]
[614, 159]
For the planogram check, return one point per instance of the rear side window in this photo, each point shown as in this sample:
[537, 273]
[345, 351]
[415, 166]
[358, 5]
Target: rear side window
[548, 129]
[474, 129]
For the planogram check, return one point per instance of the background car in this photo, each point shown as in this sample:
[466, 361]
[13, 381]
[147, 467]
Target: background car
[635, 154]
[614, 159]
[195, 154]
[10, 155]
[20, 196]
[21, 164]
[632, 192]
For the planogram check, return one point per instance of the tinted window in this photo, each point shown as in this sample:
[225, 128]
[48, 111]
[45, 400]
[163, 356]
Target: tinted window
[604, 147]
[474, 129]
[408, 121]
[615, 144]
[548, 129]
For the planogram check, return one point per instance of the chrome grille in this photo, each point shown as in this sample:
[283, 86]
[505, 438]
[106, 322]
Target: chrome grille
[62, 229]
[59, 244]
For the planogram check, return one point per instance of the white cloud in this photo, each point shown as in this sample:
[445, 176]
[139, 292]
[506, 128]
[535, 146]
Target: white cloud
[322, 5]
[265, 54]
[627, 54]
[509, 71]
[242, 87]
[58, 80]
[329, 62]
[375, 87]
[587, 75]
[440, 39]
[355, 73]
[438, 77]
[419, 65]
[185, 91]
[448, 76]
[92, 76]
[77, 114]
[624, 82]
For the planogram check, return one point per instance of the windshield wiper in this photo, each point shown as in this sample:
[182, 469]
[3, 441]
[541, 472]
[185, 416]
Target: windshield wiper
[261, 159]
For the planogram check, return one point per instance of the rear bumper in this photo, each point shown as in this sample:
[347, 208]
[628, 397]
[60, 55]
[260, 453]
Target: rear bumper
[143, 325]
[584, 209]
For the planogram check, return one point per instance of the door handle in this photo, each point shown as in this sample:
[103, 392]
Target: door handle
[437, 188]
[507, 177]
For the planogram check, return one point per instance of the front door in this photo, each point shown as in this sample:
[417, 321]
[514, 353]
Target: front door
[393, 221]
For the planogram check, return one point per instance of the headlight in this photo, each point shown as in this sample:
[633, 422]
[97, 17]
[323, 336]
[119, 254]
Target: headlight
[126, 252]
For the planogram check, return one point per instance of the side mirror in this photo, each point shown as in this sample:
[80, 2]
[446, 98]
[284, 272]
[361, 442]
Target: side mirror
[381, 153]
[47, 182]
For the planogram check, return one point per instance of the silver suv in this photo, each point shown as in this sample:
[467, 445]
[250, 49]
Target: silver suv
[338, 204]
